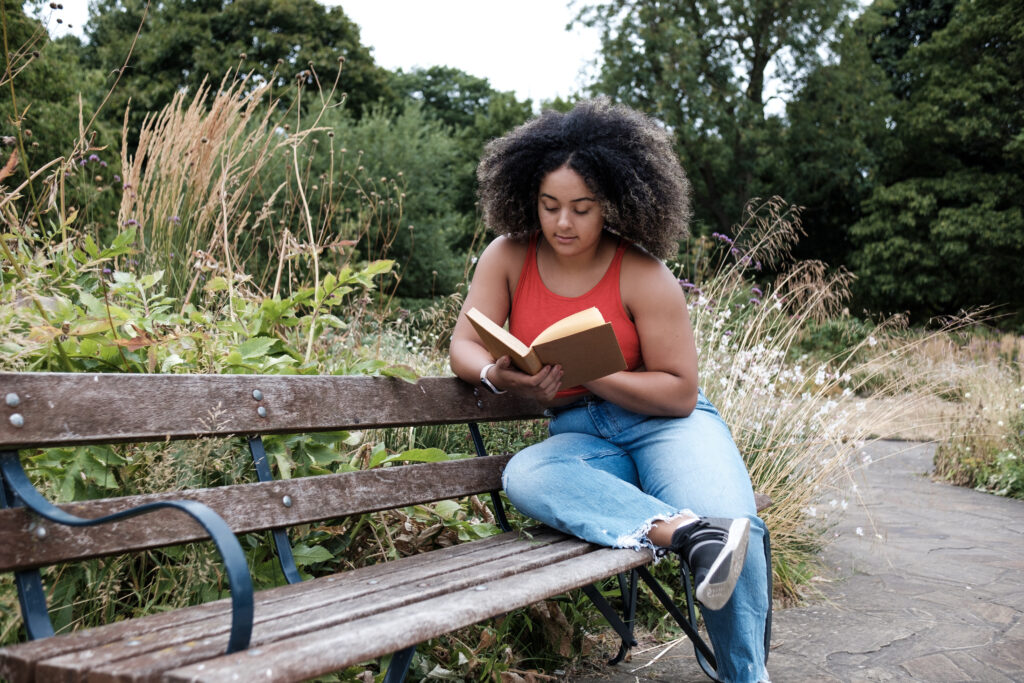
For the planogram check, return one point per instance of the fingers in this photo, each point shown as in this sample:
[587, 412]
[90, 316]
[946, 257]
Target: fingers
[543, 386]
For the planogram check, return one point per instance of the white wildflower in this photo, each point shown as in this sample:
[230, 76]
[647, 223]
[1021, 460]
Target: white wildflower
[872, 341]
[860, 531]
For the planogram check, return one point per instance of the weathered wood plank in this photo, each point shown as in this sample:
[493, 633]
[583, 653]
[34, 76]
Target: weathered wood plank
[330, 649]
[60, 409]
[17, 661]
[148, 657]
[245, 507]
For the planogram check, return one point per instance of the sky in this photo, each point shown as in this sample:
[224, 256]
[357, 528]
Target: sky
[518, 45]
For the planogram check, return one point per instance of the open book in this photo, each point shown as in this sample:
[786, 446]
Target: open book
[582, 343]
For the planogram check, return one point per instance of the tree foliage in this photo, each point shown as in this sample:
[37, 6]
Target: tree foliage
[182, 42]
[943, 227]
[44, 89]
[701, 67]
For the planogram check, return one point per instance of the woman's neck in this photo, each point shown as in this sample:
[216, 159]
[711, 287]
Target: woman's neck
[575, 274]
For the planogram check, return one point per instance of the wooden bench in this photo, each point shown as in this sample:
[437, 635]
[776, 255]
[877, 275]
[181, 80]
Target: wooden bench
[304, 628]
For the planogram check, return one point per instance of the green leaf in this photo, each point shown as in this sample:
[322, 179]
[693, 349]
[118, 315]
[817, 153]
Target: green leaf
[447, 509]
[379, 267]
[306, 555]
[256, 348]
[90, 246]
[284, 464]
[123, 239]
[216, 284]
[322, 454]
[170, 362]
[414, 455]
[403, 372]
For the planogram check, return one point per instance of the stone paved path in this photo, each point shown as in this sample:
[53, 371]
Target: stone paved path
[937, 595]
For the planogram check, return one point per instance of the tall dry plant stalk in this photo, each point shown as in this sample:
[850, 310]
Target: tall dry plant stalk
[801, 422]
[187, 186]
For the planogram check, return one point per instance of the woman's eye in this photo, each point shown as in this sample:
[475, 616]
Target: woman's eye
[584, 212]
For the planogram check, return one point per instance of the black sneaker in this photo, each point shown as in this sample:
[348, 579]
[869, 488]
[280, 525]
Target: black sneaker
[715, 550]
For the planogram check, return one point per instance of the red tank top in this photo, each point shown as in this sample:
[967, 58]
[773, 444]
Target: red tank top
[534, 307]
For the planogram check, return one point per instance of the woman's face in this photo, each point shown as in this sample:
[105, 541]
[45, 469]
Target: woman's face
[570, 215]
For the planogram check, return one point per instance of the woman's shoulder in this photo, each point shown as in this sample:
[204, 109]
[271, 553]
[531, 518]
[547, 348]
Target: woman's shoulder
[506, 246]
[504, 254]
[645, 276]
[638, 263]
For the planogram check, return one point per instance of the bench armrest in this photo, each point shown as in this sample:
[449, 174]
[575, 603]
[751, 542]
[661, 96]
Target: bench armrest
[220, 533]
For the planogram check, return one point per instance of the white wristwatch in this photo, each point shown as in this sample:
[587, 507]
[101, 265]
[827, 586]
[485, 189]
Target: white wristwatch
[486, 382]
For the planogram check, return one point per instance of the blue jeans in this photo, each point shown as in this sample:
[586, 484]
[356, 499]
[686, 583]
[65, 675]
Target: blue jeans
[607, 474]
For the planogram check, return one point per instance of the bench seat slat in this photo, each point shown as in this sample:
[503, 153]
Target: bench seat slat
[16, 660]
[61, 409]
[245, 507]
[331, 649]
[329, 602]
[306, 615]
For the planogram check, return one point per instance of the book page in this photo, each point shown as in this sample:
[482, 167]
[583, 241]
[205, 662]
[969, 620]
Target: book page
[584, 320]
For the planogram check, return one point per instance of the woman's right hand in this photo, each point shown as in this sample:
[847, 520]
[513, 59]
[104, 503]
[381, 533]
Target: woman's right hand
[541, 387]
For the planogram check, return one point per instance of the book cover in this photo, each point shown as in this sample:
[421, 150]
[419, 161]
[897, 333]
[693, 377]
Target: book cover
[584, 344]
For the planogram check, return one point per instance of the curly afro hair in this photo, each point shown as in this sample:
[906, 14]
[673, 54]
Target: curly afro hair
[625, 158]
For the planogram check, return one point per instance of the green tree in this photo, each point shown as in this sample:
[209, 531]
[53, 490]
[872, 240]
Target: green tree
[419, 157]
[943, 227]
[701, 67]
[181, 42]
[44, 90]
[472, 112]
[838, 133]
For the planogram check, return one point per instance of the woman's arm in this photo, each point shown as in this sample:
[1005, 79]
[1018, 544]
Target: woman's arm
[491, 293]
[667, 383]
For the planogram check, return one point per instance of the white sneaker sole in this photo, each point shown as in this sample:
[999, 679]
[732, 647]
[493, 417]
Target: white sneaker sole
[714, 595]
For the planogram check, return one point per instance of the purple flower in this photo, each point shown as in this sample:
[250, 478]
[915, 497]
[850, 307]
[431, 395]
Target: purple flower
[754, 300]
[103, 164]
[757, 290]
[93, 157]
[174, 219]
[83, 162]
[117, 178]
[107, 271]
[131, 221]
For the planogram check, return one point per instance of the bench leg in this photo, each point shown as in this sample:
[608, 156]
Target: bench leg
[623, 627]
[399, 666]
[281, 542]
[496, 504]
[31, 596]
[689, 625]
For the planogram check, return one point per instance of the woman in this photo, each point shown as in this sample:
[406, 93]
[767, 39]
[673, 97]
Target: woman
[583, 203]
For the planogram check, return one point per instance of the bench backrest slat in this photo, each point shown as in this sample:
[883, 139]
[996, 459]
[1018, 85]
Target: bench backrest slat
[58, 409]
[245, 507]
